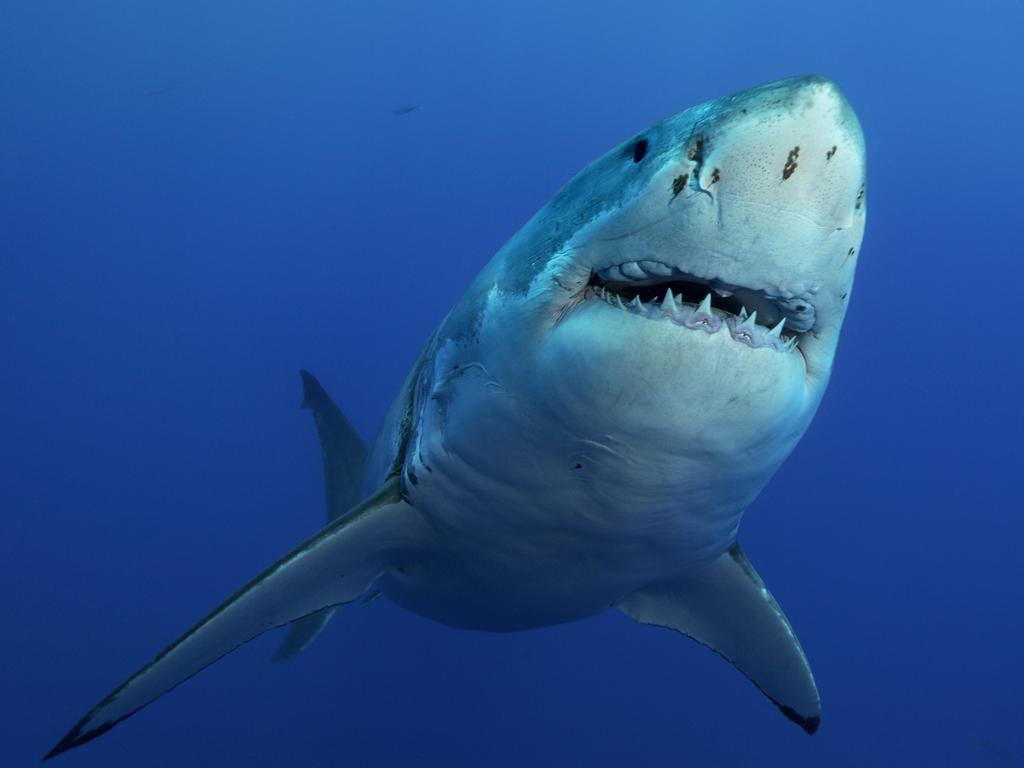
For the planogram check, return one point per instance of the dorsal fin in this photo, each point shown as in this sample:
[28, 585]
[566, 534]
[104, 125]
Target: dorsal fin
[344, 452]
[344, 455]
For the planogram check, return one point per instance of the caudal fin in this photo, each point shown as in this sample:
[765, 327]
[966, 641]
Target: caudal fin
[335, 566]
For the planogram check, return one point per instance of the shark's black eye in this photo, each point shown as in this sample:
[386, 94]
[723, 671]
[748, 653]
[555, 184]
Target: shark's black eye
[639, 150]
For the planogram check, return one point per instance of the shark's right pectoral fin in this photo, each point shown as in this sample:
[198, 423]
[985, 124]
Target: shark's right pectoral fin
[728, 608]
[335, 566]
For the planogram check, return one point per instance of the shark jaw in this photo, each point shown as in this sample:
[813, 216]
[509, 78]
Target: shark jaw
[659, 292]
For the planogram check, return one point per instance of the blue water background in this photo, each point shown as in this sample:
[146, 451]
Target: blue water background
[168, 261]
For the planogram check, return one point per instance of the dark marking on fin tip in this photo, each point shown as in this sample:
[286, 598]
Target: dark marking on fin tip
[809, 724]
[76, 737]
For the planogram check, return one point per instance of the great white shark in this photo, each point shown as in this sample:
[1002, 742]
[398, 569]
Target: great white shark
[586, 427]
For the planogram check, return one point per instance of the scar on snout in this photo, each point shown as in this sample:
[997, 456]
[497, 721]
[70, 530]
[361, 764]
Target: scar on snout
[831, 153]
[716, 176]
[860, 199]
[679, 184]
[790, 166]
[695, 151]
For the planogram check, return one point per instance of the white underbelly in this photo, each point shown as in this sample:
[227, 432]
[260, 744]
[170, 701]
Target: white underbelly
[537, 526]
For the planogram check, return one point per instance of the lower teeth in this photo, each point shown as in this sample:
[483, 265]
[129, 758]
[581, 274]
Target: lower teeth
[742, 328]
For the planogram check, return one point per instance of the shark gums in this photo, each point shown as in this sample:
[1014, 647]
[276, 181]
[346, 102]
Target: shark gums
[587, 426]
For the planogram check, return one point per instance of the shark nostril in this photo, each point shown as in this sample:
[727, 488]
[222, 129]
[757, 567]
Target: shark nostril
[639, 150]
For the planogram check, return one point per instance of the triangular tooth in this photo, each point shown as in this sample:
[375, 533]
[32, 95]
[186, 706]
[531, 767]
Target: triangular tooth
[637, 304]
[668, 304]
[777, 330]
[750, 322]
[705, 306]
[743, 313]
[790, 343]
[632, 270]
[656, 268]
[618, 300]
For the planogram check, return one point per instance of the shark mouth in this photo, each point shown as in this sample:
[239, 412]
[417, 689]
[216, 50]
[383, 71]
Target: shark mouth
[662, 292]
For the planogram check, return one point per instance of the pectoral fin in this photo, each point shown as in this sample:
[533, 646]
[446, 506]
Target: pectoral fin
[728, 608]
[335, 566]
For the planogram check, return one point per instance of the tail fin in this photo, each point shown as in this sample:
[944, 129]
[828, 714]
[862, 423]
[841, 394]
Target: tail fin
[335, 566]
[344, 455]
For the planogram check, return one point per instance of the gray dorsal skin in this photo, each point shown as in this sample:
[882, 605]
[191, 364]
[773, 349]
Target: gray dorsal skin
[587, 426]
[344, 455]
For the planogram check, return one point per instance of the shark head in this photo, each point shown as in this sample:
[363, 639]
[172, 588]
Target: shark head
[687, 289]
[752, 202]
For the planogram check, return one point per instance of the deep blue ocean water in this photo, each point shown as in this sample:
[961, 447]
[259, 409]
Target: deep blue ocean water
[196, 200]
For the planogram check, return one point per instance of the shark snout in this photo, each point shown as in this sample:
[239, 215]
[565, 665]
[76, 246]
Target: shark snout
[793, 146]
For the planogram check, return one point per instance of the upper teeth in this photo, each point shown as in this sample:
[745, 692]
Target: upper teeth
[635, 270]
[655, 268]
[632, 270]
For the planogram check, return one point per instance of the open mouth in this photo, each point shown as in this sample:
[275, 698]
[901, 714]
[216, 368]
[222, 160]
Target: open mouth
[659, 291]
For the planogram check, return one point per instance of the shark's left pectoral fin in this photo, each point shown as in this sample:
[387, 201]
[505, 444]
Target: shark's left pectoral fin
[728, 608]
[337, 565]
